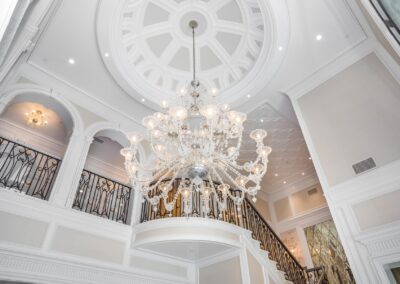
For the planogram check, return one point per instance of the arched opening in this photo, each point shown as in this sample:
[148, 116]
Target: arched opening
[103, 188]
[34, 135]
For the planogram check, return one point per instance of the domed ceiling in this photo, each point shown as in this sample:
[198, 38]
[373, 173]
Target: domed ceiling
[150, 43]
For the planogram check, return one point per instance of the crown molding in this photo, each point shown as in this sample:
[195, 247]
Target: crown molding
[347, 58]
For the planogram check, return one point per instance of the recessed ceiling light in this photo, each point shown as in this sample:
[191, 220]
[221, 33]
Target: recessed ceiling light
[284, 182]
[318, 37]
[106, 54]
[303, 174]
[280, 48]
[261, 120]
[143, 100]
[71, 61]
[276, 174]
[248, 96]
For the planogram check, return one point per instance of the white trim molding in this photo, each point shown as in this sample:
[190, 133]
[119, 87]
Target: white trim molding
[30, 265]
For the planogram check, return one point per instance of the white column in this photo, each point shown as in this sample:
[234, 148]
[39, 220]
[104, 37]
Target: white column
[137, 202]
[301, 236]
[136, 207]
[70, 171]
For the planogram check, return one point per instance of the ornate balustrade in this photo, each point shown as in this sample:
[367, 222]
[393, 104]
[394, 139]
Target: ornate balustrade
[316, 275]
[389, 15]
[103, 197]
[247, 217]
[27, 170]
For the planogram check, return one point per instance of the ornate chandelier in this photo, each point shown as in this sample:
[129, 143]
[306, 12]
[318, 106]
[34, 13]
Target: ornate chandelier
[36, 118]
[195, 144]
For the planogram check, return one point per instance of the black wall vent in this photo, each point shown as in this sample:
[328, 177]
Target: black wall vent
[364, 166]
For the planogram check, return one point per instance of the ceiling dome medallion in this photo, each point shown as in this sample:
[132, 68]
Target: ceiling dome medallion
[150, 44]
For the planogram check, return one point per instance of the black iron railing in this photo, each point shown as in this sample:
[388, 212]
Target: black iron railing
[103, 197]
[27, 170]
[387, 15]
[247, 217]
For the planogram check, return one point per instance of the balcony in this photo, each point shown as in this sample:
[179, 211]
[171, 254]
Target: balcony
[27, 170]
[248, 218]
[33, 173]
[103, 197]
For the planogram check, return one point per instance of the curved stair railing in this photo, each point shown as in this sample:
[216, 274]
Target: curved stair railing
[247, 217]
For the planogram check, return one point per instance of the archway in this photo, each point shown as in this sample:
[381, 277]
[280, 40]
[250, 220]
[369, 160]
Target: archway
[35, 130]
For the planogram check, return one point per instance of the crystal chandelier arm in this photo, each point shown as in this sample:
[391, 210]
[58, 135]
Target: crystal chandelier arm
[170, 205]
[222, 182]
[221, 204]
[160, 179]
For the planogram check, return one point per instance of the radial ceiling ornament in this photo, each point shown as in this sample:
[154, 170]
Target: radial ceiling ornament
[149, 43]
[157, 42]
[196, 143]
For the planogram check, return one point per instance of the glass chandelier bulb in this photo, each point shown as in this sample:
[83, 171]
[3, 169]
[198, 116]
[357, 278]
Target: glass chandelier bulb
[164, 104]
[159, 148]
[156, 134]
[150, 122]
[237, 117]
[182, 92]
[209, 111]
[241, 180]
[258, 135]
[264, 151]
[231, 151]
[160, 116]
[223, 188]
[178, 112]
[134, 137]
[127, 153]
[257, 169]
[207, 191]
[214, 92]
[225, 107]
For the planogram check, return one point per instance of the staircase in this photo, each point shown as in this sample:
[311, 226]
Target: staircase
[248, 218]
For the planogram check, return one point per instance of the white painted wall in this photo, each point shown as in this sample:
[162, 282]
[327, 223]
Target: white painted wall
[353, 116]
[227, 271]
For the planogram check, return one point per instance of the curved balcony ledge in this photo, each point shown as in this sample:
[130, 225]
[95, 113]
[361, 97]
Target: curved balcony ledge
[190, 239]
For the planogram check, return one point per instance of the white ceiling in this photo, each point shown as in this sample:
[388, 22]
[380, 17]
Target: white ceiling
[152, 41]
[290, 53]
[289, 158]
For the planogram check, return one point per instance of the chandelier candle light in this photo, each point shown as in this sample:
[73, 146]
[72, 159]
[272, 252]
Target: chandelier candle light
[196, 143]
[36, 118]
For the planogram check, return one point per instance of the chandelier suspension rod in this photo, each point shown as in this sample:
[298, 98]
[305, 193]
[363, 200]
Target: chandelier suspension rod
[193, 25]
